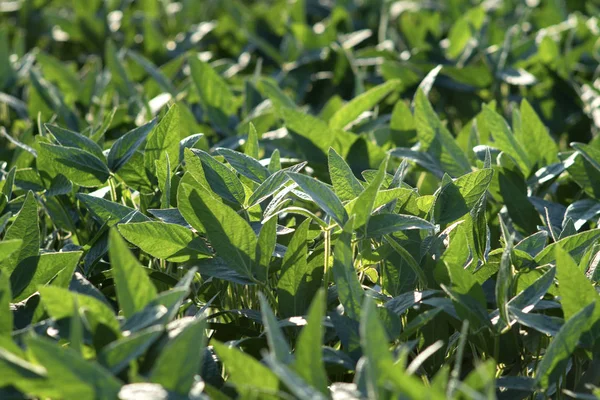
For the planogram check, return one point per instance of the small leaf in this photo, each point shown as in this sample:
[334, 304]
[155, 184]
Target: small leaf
[24, 228]
[348, 286]
[79, 166]
[245, 165]
[163, 140]
[384, 224]
[345, 184]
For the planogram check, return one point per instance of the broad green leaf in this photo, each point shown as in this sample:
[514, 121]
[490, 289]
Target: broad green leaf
[163, 174]
[504, 282]
[59, 303]
[575, 245]
[109, 212]
[245, 165]
[345, 184]
[118, 72]
[534, 136]
[272, 184]
[364, 202]
[79, 166]
[505, 140]
[165, 241]
[323, 196]
[563, 345]
[265, 246]
[133, 286]
[460, 196]
[590, 153]
[530, 296]
[40, 270]
[278, 344]
[221, 179]
[212, 88]
[251, 147]
[24, 228]
[229, 234]
[247, 374]
[384, 224]
[163, 140]
[6, 314]
[582, 211]
[374, 342]
[69, 138]
[309, 358]
[364, 102]
[125, 147]
[436, 140]
[181, 358]
[298, 281]
[119, 354]
[576, 291]
[294, 383]
[8, 247]
[311, 128]
[153, 71]
[463, 30]
[348, 286]
[73, 376]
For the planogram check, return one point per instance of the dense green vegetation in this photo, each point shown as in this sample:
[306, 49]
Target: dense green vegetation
[299, 199]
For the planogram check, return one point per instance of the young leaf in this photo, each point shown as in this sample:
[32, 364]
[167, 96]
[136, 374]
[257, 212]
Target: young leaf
[245, 165]
[265, 246]
[120, 353]
[133, 286]
[221, 179]
[251, 147]
[535, 138]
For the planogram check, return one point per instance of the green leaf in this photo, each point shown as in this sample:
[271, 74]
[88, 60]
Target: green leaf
[294, 383]
[265, 246]
[323, 196]
[384, 224]
[212, 88]
[60, 303]
[133, 286]
[590, 153]
[181, 358]
[315, 130]
[108, 212]
[69, 138]
[309, 356]
[39, 270]
[345, 184]
[504, 139]
[9, 247]
[436, 140]
[272, 184]
[165, 241]
[153, 71]
[248, 375]
[298, 281]
[24, 228]
[364, 102]
[275, 337]
[251, 147]
[230, 235]
[119, 354]
[6, 314]
[221, 179]
[163, 140]
[70, 374]
[245, 165]
[575, 245]
[504, 281]
[119, 75]
[534, 136]
[563, 345]
[79, 166]
[163, 174]
[125, 147]
[348, 286]
[457, 198]
[374, 342]
[364, 202]
[576, 291]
